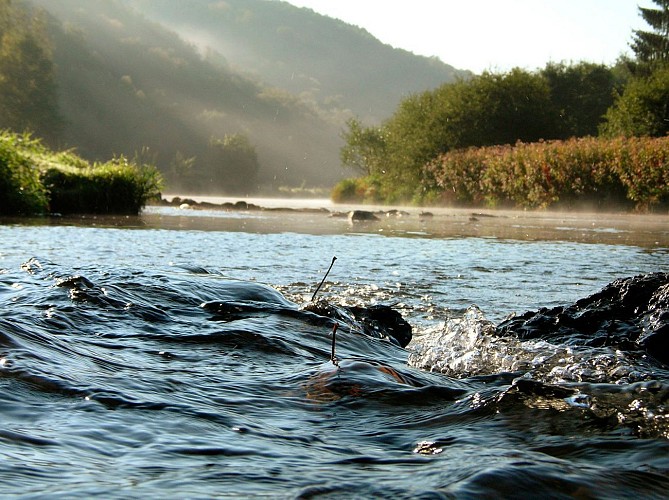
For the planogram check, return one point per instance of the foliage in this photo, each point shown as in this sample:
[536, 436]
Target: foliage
[358, 190]
[36, 180]
[21, 191]
[580, 94]
[486, 110]
[181, 174]
[642, 109]
[364, 147]
[143, 85]
[652, 47]
[321, 59]
[114, 187]
[589, 172]
[234, 165]
[491, 111]
[27, 81]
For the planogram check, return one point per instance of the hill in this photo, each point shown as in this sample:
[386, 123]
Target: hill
[134, 81]
[338, 66]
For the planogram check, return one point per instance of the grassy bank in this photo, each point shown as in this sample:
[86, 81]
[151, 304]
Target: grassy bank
[35, 180]
[627, 173]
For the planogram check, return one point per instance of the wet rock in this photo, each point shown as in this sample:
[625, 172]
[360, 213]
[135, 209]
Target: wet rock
[396, 213]
[240, 300]
[361, 215]
[631, 314]
[379, 321]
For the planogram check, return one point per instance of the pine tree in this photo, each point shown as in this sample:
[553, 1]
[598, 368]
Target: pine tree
[652, 47]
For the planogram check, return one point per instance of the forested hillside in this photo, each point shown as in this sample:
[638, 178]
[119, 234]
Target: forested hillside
[338, 67]
[248, 96]
[127, 85]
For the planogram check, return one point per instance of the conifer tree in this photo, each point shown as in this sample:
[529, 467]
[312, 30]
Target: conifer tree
[652, 47]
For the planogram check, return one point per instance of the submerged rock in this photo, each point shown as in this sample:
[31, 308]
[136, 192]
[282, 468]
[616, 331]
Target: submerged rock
[245, 300]
[631, 314]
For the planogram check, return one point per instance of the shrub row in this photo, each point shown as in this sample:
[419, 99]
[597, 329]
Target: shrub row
[35, 180]
[598, 173]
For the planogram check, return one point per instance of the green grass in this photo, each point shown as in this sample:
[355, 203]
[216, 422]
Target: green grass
[35, 180]
[21, 189]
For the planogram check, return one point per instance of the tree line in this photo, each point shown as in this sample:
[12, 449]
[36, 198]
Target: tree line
[559, 102]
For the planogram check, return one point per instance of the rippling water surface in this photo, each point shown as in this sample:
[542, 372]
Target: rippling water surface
[117, 379]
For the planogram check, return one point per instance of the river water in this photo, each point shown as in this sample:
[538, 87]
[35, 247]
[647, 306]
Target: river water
[118, 380]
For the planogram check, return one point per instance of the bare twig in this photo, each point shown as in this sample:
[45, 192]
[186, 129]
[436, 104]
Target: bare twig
[323, 280]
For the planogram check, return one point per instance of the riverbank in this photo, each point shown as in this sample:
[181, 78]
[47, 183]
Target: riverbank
[36, 180]
[322, 216]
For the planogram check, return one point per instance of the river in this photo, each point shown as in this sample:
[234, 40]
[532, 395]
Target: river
[171, 355]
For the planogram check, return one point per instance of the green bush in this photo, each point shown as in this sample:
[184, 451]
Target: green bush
[358, 190]
[115, 187]
[21, 191]
[35, 180]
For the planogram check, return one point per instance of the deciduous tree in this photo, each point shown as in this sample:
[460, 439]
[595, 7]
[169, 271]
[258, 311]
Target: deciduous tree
[233, 165]
[581, 93]
[642, 109]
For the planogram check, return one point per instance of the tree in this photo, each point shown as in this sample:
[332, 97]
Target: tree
[513, 106]
[487, 110]
[364, 147]
[642, 109]
[233, 165]
[580, 95]
[652, 47]
[181, 175]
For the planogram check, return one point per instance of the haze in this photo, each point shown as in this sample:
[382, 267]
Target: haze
[496, 34]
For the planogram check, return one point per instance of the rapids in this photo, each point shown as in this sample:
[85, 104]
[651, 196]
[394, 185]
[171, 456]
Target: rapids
[179, 355]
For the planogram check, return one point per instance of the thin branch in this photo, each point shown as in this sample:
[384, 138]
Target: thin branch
[323, 280]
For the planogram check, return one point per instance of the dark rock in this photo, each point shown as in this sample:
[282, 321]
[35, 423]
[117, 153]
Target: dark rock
[379, 321]
[361, 215]
[631, 314]
[384, 321]
[241, 300]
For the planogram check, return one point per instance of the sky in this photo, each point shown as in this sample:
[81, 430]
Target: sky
[496, 35]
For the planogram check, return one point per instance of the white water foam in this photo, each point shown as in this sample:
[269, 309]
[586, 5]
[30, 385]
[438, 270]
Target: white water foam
[465, 346]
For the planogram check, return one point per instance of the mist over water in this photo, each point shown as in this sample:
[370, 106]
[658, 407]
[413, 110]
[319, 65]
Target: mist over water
[118, 380]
